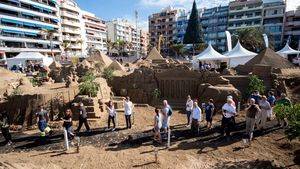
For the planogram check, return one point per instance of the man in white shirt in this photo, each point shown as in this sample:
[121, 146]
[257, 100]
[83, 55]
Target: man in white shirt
[229, 112]
[128, 107]
[196, 118]
[189, 109]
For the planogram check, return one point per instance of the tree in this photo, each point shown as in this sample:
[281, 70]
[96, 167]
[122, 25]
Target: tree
[88, 86]
[80, 42]
[178, 49]
[194, 32]
[110, 46]
[49, 34]
[251, 38]
[255, 84]
[65, 45]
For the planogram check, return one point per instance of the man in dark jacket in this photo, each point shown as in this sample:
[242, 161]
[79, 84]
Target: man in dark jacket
[4, 125]
[83, 118]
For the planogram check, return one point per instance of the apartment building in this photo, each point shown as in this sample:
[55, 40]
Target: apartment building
[273, 21]
[163, 23]
[26, 25]
[144, 42]
[181, 25]
[245, 14]
[72, 29]
[214, 24]
[95, 32]
[292, 26]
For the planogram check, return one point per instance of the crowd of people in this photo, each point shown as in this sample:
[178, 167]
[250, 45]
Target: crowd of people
[258, 113]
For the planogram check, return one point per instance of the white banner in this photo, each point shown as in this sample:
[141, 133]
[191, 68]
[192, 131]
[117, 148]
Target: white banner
[229, 43]
[266, 40]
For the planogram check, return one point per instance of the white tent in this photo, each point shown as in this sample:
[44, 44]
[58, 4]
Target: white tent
[23, 57]
[287, 50]
[239, 55]
[208, 55]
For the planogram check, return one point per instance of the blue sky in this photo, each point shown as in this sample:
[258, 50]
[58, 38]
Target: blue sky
[110, 9]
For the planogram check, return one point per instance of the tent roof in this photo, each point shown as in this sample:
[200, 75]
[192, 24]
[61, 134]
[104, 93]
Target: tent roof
[271, 58]
[28, 56]
[287, 50]
[210, 54]
[115, 65]
[154, 55]
[31, 56]
[100, 57]
[239, 51]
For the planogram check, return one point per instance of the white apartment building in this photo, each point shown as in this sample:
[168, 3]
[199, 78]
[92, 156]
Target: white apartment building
[245, 14]
[121, 29]
[72, 29]
[95, 32]
[23, 27]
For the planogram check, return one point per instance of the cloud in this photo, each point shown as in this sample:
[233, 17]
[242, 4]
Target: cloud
[292, 4]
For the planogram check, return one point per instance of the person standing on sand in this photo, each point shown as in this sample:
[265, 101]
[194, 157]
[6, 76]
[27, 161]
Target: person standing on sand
[68, 123]
[42, 119]
[189, 108]
[271, 100]
[128, 107]
[196, 118]
[251, 113]
[111, 115]
[4, 125]
[209, 112]
[83, 118]
[167, 113]
[229, 111]
[265, 108]
[157, 126]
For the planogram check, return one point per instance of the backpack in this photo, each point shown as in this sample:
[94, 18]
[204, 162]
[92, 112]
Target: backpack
[170, 112]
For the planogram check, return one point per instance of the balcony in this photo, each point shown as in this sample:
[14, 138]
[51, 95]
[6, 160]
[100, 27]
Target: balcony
[244, 9]
[69, 7]
[71, 30]
[297, 32]
[70, 38]
[244, 18]
[18, 49]
[70, 23]
[292, 23]
[69, 14]
[25, 10]
[243, 26]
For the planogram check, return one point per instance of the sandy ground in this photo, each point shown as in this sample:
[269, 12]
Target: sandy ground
[102, 149]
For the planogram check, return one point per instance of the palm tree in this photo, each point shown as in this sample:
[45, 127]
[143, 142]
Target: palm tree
[65, 45]
[49, 34]
[121, 45]
[129, 46]
[80, 42]
[251, 38]
[110, 46]
[178, 49]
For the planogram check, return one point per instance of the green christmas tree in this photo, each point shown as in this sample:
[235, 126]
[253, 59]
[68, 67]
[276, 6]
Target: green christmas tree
[193, 34]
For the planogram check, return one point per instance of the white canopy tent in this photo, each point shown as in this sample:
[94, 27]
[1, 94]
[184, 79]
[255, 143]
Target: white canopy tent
[23, 57]
[239, 55]
[287, 50]
[209, 55]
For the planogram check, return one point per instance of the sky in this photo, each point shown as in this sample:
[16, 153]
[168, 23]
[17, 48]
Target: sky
[111, 9]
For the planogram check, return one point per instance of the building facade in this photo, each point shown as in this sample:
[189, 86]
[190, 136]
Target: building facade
[95, 33]
[121, 29]
[245, 14]
[163, 24]
[26, 25]
[292, 27]
[273, 21]
[144, 43]
[72, 29]
[214, 24]
[181, 25]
